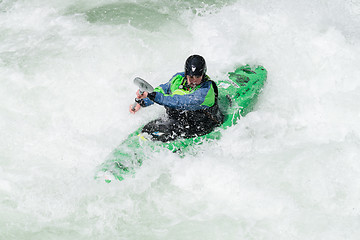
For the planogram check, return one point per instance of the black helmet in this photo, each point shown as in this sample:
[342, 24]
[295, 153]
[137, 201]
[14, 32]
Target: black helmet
[195, 65]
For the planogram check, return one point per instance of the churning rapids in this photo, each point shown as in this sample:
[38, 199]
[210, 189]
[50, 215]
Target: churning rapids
[288, 170]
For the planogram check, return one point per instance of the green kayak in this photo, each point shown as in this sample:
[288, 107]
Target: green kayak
[237, 97]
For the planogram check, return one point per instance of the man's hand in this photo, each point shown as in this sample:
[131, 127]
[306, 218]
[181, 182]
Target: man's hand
[141, 96]
[134, 110]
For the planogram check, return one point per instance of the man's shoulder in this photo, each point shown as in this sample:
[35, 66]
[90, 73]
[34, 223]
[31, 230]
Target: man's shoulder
[177, 77]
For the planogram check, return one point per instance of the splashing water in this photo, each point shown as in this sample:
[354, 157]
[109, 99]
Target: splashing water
[288, 170]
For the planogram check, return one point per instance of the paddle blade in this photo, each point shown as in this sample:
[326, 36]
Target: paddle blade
[143, 85]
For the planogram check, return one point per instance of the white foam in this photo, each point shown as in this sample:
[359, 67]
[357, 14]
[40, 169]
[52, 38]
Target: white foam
[288, 170]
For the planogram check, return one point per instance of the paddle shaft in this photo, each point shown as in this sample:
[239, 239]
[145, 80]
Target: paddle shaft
[135, 103]
[143, 87]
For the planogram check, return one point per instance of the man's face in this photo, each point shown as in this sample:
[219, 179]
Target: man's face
[193, 81]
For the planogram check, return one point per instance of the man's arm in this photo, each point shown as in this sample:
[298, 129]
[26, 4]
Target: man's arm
[202, 98]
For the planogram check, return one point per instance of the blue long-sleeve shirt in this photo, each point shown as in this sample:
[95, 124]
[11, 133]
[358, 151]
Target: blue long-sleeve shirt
[177, 95]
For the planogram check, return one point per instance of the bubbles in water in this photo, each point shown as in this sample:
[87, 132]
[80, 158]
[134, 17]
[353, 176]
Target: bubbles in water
[287, 170]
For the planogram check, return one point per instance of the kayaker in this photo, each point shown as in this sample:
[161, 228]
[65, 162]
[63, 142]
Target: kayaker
[190, 100]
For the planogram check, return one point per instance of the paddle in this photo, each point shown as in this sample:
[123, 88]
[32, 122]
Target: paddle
[144, 86]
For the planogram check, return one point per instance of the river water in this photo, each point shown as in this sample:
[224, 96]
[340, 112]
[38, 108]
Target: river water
[288, 170]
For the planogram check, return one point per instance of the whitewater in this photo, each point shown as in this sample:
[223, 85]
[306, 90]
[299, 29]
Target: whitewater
[288, 170]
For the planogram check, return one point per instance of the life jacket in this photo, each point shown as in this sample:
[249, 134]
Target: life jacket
[211, 116]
